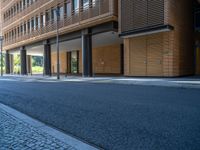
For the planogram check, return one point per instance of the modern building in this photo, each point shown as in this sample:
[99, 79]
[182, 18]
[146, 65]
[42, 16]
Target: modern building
[104, 37]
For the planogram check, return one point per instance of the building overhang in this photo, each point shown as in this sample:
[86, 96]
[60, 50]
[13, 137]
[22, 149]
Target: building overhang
[147, 31]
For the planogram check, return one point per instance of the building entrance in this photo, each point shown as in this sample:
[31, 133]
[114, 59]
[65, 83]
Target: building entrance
[73, 62]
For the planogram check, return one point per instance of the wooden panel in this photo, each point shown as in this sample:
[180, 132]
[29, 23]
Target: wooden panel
[63, 62]
[137, 14]
[176, 47]
[138, 56]
[139, 17]
[154, 55]
[106, 59]
[155, 12]
[126, 57]
[126, 20]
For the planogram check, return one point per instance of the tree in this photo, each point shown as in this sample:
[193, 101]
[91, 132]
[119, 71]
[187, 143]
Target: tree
[3, 62]
[37, 61]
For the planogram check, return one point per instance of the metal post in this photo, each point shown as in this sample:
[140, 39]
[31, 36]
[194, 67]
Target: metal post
[57, 43]
[1, 40]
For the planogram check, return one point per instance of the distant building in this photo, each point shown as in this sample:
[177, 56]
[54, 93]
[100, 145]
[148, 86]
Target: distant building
[104, 37]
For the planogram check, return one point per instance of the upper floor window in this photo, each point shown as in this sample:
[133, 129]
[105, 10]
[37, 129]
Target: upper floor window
[85, 3]
[75, 5]
[197, 20]
[68, 10]
[61, 12]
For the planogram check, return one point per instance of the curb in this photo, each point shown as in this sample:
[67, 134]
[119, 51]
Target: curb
[67, 139]
[171, 84]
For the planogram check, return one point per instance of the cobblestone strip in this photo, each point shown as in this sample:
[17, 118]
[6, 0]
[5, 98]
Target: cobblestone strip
[18, 135]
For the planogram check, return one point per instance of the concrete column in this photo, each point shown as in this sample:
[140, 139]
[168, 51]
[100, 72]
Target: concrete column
[69, 62]
[23, 61]
[122, 59]
[47, 58]
[11, 63]
[29, 64]
[87, 53]
[7, 59]
[78, 62]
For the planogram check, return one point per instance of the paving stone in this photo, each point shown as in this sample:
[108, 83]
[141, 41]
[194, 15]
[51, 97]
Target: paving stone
[18, 135]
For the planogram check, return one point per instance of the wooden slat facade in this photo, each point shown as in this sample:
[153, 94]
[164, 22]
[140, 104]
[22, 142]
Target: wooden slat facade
[160, 54]
[100, 12]
[139, 14]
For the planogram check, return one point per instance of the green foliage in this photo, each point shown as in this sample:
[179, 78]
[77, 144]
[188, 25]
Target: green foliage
[37, 69]
[37, 61]
[37, 64]
[16, 63]
[3, 62]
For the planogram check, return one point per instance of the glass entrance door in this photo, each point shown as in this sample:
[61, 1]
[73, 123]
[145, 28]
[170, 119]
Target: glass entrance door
[73, 62]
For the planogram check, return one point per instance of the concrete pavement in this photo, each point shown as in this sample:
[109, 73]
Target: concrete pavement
[20, 132]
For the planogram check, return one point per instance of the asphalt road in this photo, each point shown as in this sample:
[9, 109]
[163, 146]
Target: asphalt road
[114, 117]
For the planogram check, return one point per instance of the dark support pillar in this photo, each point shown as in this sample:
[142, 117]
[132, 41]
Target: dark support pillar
[29, 64]
[47, 58]
[23, 61]
[11, 63]
[78, 62]
[122, 58]
[69, 62]
[7, 58]
[87, 53]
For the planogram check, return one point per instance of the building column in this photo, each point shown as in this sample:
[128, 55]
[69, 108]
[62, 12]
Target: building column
[29, 64]
[23, 61]
[87, 53]
[11, 63]
[47, 58]
[7, 59]
[69, 58]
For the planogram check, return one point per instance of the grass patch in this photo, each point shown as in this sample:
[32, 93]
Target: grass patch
[37, 69]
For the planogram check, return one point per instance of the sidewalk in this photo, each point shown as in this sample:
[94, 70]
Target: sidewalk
[20, 132]
[181, 82]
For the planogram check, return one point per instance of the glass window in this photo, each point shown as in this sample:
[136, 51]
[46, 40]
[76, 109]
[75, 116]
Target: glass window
[24, 27]
[85, 3]
[44, 20]
[68, 10]
[32, 24]
[76, 5]
[54, 15]
[38, 21]
[28, 26]
[74, 62]
[61, 13]
[47, 16]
